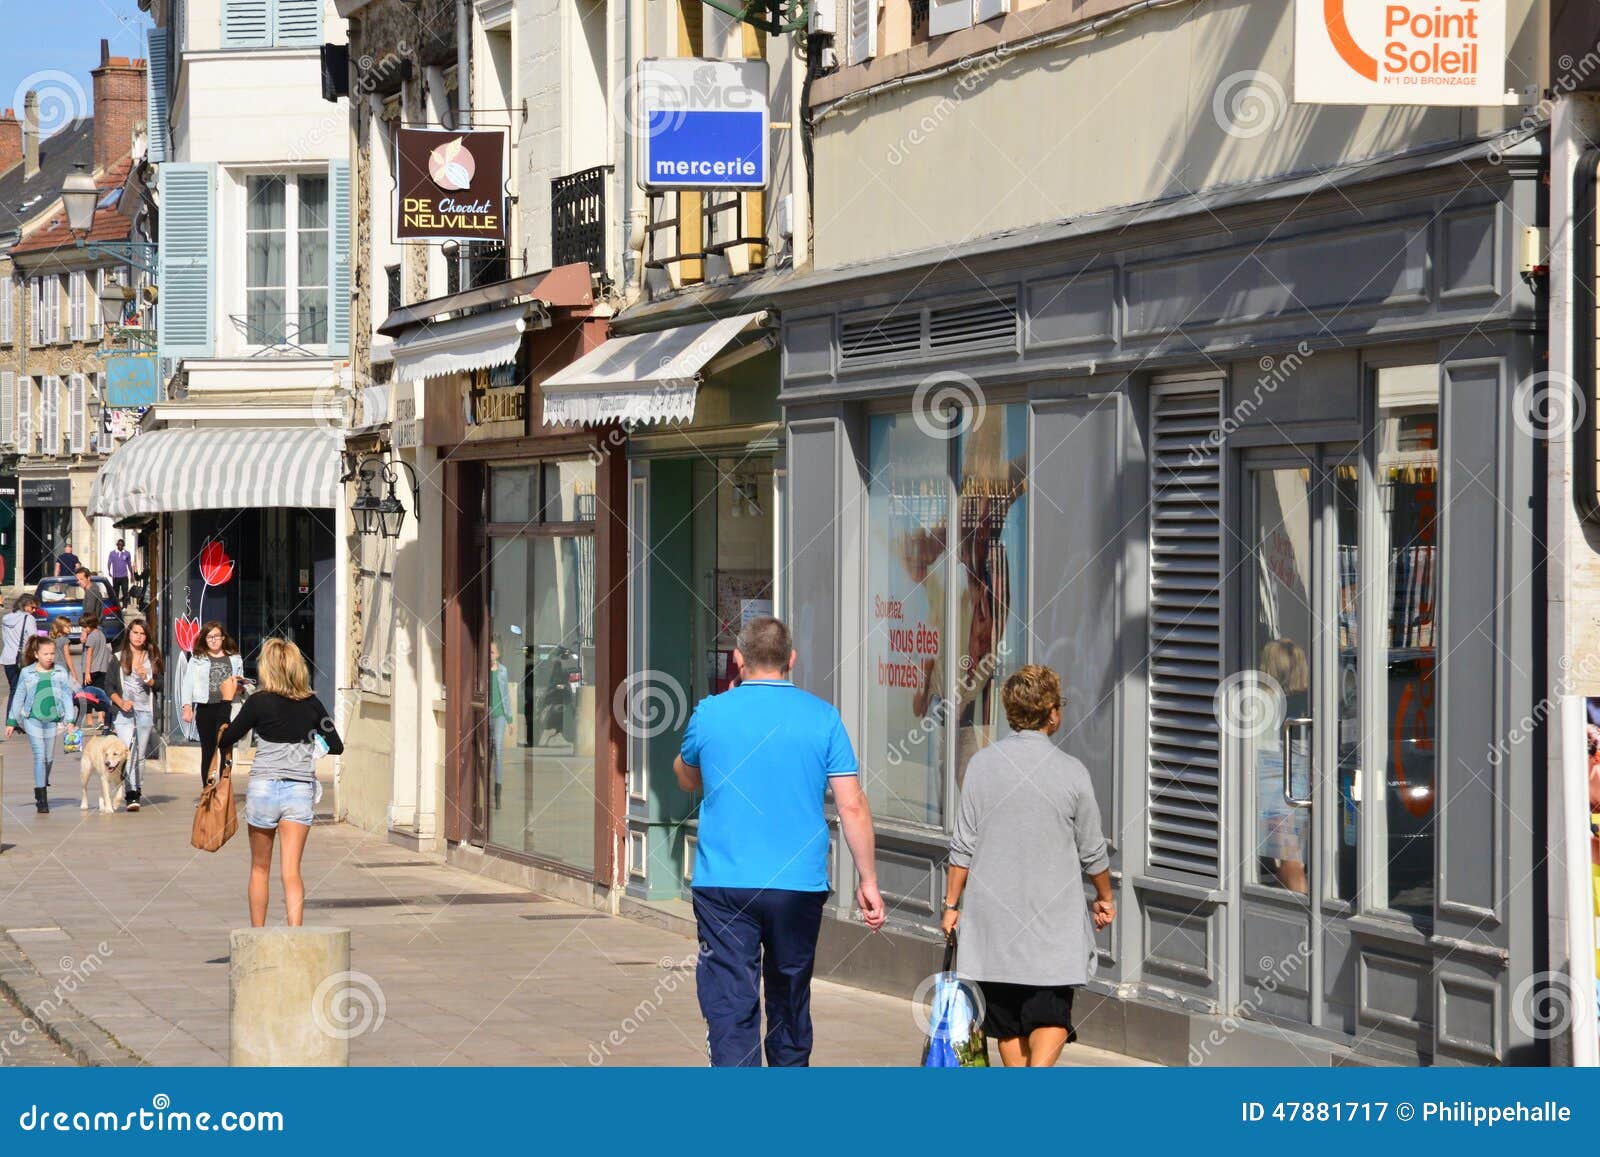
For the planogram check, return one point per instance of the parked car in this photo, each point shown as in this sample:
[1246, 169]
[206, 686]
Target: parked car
[62, 598]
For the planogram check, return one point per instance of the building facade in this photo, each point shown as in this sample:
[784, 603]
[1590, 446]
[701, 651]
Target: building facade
[67, 310]
[1234, 434]
[236, 470]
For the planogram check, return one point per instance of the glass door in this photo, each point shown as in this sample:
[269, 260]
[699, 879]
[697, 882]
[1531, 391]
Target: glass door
[1293, 719]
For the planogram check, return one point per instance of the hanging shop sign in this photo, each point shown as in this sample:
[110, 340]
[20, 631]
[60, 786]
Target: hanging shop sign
[1426, 52]
[132, 379]
[51, 492]
[450, 184]
[704, 123]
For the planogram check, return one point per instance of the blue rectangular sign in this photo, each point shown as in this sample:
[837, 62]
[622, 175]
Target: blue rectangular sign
[703, 124]
[721, 149]
[132, 380]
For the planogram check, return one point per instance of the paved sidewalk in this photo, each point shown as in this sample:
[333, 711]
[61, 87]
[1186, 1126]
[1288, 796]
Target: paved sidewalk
[129, 924]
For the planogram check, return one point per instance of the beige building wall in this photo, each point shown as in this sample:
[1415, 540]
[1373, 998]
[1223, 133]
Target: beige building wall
[1167, 102]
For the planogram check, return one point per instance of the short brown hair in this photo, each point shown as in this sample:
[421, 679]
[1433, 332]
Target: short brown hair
[765, 644]
[1030, 694]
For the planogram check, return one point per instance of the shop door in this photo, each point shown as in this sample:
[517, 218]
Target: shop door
[1293, 719]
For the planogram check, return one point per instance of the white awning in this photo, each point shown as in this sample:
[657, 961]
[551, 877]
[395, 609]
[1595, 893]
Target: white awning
[462, 343]
[220, 468]
[641, 378]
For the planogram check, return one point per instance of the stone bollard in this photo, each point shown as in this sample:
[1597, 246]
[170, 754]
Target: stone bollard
[285, 986]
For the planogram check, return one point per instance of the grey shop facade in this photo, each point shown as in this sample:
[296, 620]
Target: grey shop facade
[1258, 479]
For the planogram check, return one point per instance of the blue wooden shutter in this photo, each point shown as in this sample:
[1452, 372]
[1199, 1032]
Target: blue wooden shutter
[246, 23]
[155, 82]
[339, 256]
[188, 260]
[297, 22]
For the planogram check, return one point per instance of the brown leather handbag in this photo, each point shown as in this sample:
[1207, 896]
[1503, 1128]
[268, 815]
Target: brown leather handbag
[215, 817]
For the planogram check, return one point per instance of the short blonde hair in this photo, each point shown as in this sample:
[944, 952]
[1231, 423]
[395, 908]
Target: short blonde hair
[1029, 695]
[283, 670]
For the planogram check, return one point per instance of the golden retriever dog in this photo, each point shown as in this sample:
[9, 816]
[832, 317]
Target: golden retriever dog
[107, 756]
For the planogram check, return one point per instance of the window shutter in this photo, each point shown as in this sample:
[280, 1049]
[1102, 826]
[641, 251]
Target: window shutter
[246, 23]
[50, 413]
[297, 22]
[35, 306]
[78, 416]
[949, 16]
[52, 311]
[25, 415]
[1185, 769]
[988, 9]
[7, 309]
[8, 408]
[77, 305]
[187, 260]
[339, 257]
[156, 81]
[863, 30]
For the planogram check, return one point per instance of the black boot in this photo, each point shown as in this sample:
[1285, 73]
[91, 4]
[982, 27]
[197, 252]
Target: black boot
[41, 800]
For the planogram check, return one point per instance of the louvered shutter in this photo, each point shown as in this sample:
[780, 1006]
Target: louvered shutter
[187, 262]
[8, 313]
[50, 415]
[35, 304]
[246, 23]
[77, 305]
[25, 415]
[339, 257]
[8, 408]
[864, 30]
[948, 16]
[52, 310]
[1185, 627]
[78, 416]
[297, 22]
[156, 81]
[988, 9]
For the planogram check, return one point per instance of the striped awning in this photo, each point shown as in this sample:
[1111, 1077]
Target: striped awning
[219, 468]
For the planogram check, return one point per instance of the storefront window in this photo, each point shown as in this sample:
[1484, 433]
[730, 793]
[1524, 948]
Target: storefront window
[939, 501]
[540, 692]
[1408, 480]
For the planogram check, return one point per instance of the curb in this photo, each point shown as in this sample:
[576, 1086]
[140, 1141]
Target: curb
[84, 1041]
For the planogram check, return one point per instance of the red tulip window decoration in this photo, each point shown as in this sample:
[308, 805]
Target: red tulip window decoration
[187, 631]
[216, 569]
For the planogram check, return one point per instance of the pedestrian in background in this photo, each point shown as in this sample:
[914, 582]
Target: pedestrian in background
[89, 595]
[766, 754]
[292, 729]
[119, 565]
[15, 629]
[96, 661]
[500, 719]
[132, 681]
[214, 677]
[1027, 826]
[66, 562]
[43, 702]
[61, 635]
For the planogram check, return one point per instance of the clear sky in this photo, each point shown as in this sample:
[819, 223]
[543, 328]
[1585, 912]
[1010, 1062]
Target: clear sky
[54, 43]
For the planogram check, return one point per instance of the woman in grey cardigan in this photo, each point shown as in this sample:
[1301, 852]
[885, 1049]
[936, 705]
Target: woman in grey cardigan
[1027, 826]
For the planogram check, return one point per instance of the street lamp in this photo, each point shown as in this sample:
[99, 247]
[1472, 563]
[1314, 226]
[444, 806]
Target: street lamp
[79, 196]
[386, 515]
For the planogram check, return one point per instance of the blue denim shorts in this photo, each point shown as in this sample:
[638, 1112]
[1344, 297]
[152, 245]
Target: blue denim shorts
[269, 801]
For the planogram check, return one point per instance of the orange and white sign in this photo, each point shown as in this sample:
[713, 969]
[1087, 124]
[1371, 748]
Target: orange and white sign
[1428, 52]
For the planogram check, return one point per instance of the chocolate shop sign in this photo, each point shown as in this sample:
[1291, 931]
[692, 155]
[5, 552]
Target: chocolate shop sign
[450, 184]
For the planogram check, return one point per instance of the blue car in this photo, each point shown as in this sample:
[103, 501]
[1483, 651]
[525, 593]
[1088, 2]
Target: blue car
[62, 598]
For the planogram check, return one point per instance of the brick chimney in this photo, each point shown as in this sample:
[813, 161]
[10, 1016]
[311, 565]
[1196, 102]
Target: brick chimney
[10, 140]
[119, 106]
[30, 134]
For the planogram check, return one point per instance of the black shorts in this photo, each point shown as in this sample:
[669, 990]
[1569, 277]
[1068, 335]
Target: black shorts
[1015, 1010]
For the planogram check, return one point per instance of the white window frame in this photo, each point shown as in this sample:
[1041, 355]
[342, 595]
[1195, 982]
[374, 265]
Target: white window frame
[291, 254]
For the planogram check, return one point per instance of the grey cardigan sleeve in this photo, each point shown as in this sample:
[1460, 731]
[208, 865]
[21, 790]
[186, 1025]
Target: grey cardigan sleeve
[964, 840]
[1091, 840]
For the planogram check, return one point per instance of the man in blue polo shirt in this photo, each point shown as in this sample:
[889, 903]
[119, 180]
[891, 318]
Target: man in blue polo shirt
[766, 753]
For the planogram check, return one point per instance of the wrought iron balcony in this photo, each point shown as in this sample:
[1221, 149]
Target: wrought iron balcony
[578, 218]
